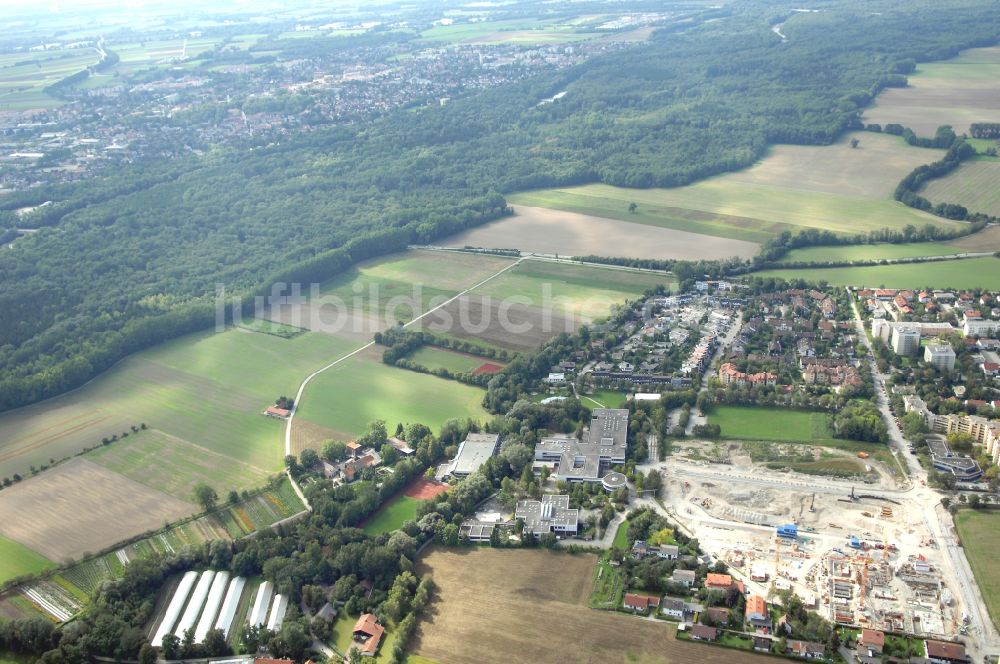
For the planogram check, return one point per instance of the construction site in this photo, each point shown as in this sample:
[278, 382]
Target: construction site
[861, 556]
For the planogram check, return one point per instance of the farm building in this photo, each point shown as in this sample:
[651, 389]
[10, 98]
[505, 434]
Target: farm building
[367, 635]
[193, 609]
[280, 413]
[174, 608]
[551, 514]
[277, 616]
[230, 604]
[258, 614]
[473, 453]
[215, 596]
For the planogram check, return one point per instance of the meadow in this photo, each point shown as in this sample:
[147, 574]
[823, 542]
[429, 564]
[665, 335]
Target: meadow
[441, 358]
[869, 252]
[207, 389]
[23, 76]
[341, 402]
[528, 593]
[392, 515]
[781, 424]
[979, 532]
[19, 560]
[973, 184]
[955, 92]
[961, 273]
[838, 188]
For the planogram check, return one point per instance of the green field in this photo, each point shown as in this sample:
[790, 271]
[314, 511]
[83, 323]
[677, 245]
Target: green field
[23, 76]
[207, 389]
[392, 515]
[603, 399]
[781, 424]
[19, 560]
[869, 252]
[979, 532]
[344, 399]
[433, 357]
[524, 31]
[973, 184]
[963, 273]
[175, 466]
[621, 536]
[583, 291]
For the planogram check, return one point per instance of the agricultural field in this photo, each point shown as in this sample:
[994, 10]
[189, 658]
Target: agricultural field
[433, 358]
[175, 466]
[955, 92]
[375, 295]
[979, 532]
[987, 239]
[781, 424]
[392, 515]
[19, 560]
[23, 76]
[962, 273]
[519, 31]
[537, 603]
[838, 188]
[341, 402]
[869, 252]
[207, 389]
[79, 507]
[559, 232]
[973, 184]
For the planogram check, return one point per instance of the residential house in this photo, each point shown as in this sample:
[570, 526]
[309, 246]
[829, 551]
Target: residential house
[718, 581]
[673, 607]
[871, 642]
[638, 603]
[367, 634]
[762, 643]
[685, 577]
[757, 614]
[703, 633]
[806, 649]
[944, 652]
[718, 615]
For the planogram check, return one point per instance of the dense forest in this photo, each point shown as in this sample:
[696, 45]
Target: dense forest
[129, 260]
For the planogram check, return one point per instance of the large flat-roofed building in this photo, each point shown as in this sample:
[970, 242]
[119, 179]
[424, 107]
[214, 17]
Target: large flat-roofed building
[588, 460]
[940, 355]
[473, 453]
[905, 340]
[551, 514]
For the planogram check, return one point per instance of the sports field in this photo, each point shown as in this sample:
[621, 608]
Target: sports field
[752, 423]
[979, 531]
[973, 184]
[433, 357]
[392, 515]
[490, 603]
[207, 389]
[19, 560]
[341, 402]
[175, 466]
[961, 273]
[956, 92]
[869, 252]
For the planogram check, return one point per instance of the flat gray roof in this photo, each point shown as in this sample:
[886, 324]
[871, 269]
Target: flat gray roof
[605, 441]
[473, 452]
[540, 516]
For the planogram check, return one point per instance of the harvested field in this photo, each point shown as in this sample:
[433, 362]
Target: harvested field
[507, 325]
[973, 184]
[174, 466]
[491, 603]
[956, 92]
[79, 507]
[542, 230]
[425, 489]
[987, 239]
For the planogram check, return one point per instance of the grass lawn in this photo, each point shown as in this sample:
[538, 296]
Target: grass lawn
[980, 535]
[869, 252]
[621, 536]
[175, 466]
[208, 389]
[19, 559]
[393, 515]
[604, 399]
[782, 424]
[962, 273]
[579, 290]
[363, 389]
[342, 638]
[433, 357]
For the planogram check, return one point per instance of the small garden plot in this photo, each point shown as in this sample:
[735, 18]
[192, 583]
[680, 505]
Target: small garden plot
[53, 600]
[89, 575]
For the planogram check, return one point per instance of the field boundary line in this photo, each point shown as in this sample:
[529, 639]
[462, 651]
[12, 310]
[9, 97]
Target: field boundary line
[305, 382]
